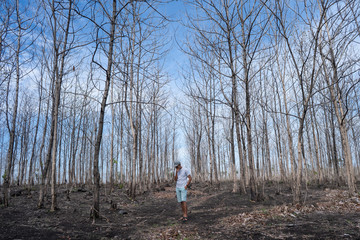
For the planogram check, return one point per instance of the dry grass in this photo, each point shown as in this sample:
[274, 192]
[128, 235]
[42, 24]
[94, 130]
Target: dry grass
[333, 201]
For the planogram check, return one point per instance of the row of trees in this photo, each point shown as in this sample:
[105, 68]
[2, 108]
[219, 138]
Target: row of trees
[273, 87]
[271, 93]
[84, 96]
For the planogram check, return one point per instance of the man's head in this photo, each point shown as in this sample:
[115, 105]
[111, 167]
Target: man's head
[177, 164]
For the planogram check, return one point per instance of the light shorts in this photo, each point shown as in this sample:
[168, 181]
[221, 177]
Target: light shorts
[181, 194]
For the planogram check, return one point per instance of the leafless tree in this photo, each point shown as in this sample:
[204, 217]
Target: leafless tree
[338, 37]
[232, 39]
[23, 25]
[60, 50]
[304, 64]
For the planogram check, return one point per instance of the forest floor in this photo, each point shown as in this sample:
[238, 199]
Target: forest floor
[214, 213]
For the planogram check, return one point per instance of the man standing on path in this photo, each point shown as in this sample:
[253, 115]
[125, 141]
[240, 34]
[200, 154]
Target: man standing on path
[183, 179]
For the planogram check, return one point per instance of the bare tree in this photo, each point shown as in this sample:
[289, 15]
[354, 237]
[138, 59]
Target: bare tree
[6, 69]
[104, 37]
[303, 64]
[232, 39]
[23, 26]
[108, 70]
[60, 50]
[333, 45]
[33, 154]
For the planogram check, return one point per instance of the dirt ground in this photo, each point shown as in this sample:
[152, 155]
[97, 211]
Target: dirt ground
[214, 213]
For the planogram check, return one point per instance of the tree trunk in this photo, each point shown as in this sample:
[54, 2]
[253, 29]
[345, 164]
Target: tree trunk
[96, 194]
[12, 129]
[241, 155]
[112, 159]
[233, 165]
[317, 155]
[341, 118]
[253, 183]
[59, 77]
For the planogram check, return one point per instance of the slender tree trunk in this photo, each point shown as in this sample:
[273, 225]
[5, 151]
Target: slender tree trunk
[213, 114]
[341, 118]
[42, 168]
[112, 159]
[59, 77]
[96, 194]
[31, 175]
[267, 149]
[60, 146]
[246, 180]
[12, 129]
[335, 157]
[208, 131]
[233, 165]
[309, 164]
[253, 183]
[317, 155]
[297, 189]
[241, 155]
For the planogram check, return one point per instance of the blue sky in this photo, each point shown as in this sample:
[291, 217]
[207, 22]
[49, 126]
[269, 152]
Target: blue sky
[175, 61]
[175, 10]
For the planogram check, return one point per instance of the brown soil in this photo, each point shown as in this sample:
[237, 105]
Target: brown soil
[214, 213]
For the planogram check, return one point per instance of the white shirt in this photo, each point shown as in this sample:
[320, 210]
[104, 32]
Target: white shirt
[182, 177]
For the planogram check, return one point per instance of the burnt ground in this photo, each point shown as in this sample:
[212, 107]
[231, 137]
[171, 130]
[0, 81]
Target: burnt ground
[214, 213]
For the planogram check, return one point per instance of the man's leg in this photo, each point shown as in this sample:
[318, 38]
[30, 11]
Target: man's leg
[184, 209]
[181, 194]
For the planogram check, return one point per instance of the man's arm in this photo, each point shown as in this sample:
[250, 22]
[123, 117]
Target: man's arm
[176, 175]
[189, 181]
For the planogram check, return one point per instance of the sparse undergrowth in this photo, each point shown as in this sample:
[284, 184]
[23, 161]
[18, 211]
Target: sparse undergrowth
[214, 213]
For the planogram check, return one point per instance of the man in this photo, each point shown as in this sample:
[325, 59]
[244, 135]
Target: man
[183, 179]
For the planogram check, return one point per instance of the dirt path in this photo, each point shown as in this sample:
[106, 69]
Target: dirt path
[204, 213]
[213, 214]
